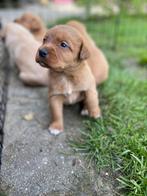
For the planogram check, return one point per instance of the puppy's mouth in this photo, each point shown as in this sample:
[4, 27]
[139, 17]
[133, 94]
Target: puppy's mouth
[50, 67]
[43, 64]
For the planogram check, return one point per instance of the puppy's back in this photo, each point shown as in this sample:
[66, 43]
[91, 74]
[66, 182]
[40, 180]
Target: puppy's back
[78, 25]
[19, 39]
[97, 61]
[16, 32]
[82, 29]
[20, 43]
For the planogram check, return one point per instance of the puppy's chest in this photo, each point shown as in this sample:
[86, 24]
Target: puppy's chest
[64, 85]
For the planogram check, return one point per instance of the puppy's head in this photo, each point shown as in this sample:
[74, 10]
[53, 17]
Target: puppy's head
[62, 48]
[30, 21]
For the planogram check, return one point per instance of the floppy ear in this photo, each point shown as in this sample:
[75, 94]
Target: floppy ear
[84, 53]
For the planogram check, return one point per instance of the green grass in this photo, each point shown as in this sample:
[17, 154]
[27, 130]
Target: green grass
[118, 140]
[119, 31]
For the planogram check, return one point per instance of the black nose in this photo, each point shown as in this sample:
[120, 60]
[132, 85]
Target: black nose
[43, 52]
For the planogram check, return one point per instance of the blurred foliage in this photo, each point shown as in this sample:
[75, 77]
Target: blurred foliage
[132, 6]
[108, 2]
[143, 59]
[89, 3]
[125, 6]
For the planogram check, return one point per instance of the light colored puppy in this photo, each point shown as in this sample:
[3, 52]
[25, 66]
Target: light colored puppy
[33, 23]
[22, 48]
[65, 51]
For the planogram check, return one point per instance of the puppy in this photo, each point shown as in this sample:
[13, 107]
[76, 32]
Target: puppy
[66, 54]
[22, 48]
[33, 23]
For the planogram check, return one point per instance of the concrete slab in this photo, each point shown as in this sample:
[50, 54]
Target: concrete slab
[34, 162]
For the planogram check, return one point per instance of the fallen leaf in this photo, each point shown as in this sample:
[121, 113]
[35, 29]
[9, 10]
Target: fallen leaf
[29, 116]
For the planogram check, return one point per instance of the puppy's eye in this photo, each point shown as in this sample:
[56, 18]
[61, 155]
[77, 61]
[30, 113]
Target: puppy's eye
[64, 45]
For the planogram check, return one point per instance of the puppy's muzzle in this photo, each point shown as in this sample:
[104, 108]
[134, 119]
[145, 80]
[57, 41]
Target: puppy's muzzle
[43, 52]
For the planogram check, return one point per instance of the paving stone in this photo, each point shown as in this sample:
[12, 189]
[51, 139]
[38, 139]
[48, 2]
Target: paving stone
[35, 162]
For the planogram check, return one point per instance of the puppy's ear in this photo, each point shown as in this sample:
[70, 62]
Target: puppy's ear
[84, 53]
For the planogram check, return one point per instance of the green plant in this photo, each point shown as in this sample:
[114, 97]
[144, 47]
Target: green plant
[119, 139]
[143, 59]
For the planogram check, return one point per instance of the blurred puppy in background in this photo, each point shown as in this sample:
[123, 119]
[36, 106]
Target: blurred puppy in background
[33, 23]
[22, 47]
[97, 60]
[76, 66]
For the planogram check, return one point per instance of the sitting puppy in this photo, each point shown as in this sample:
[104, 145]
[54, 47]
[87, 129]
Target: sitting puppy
[34, 24]
[22, 48]
[66, 54]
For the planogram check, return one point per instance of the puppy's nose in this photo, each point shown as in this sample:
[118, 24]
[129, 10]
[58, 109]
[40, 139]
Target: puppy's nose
[43, 52]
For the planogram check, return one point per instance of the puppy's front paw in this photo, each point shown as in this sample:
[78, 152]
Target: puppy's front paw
[84, 112]
[55, 129]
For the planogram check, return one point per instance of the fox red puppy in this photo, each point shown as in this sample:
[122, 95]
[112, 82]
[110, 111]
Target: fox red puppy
[65, 52]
